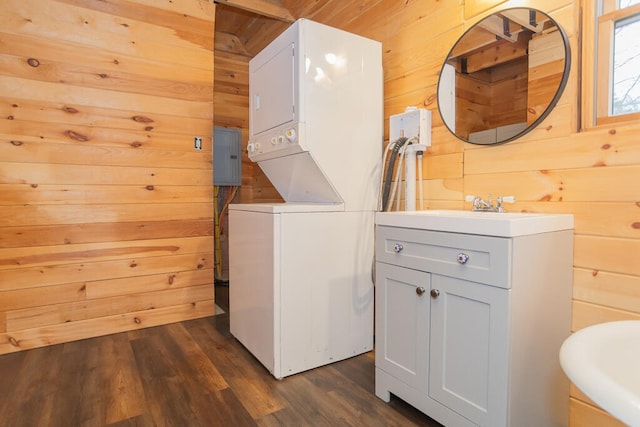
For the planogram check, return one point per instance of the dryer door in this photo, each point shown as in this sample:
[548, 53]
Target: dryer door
[271, 88]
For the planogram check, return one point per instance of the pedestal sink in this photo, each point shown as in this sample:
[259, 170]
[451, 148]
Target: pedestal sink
[604, 362]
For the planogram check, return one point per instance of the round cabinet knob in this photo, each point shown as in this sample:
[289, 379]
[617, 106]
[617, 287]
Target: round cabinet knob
[397, 248]
[274, 141]
[462, 258]
[251, 147]
[435, 293]
[420, 290]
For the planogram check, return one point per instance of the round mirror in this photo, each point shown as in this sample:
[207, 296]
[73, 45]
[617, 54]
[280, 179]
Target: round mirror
[503, 76]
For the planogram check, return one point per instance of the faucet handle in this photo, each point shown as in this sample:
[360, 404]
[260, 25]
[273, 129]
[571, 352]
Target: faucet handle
[507, 199]
[504, 199]
[469, 198]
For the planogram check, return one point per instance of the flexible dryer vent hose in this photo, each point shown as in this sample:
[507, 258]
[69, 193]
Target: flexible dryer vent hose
[388, 177]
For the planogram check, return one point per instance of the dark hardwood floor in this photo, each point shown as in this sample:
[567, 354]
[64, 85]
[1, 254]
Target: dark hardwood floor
[192, 373]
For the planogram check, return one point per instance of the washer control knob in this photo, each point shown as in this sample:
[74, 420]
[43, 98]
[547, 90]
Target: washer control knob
[290, 134]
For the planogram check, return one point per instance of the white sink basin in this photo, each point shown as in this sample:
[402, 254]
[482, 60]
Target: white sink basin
[604, 362]
[486, 223]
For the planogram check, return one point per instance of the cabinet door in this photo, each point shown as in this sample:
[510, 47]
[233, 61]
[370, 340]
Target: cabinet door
[402, 324]
[469, 350]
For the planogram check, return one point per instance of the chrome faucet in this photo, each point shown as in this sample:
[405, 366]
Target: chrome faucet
[480, 205]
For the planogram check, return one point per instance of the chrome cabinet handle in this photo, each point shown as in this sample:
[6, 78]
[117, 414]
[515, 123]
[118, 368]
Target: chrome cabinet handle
[462, 258]
[435, 293]
[397, 248]
[420, 290]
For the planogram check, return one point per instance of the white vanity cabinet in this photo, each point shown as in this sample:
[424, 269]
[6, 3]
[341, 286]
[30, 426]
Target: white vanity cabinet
[469, 326]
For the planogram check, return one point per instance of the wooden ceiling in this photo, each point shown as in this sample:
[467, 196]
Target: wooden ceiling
[271, 8]
[246, 26]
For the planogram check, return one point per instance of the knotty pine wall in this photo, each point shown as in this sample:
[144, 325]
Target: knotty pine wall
[594, 175]
[231, 106]
[105, 207]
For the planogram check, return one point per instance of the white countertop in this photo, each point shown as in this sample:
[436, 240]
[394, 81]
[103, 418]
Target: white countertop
[483, 223]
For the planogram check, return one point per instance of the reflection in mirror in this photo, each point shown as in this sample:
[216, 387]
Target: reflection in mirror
[503, 76]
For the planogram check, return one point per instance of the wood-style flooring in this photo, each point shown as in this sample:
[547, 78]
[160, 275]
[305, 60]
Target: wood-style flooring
[193, 373]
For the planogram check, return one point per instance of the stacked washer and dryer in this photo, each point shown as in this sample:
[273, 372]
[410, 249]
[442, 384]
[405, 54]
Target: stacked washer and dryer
[301, 293]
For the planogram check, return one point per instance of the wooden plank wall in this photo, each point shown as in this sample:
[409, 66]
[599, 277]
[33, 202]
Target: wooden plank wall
[593, 175]
[105, 206]
[473, 105]
[546, 67]
[231, 91]
[231, 106]
[481, 104]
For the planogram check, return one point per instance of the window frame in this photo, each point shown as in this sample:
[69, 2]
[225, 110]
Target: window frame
[599, 19]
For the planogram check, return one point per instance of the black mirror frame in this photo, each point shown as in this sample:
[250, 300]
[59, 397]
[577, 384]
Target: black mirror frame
[552, 103]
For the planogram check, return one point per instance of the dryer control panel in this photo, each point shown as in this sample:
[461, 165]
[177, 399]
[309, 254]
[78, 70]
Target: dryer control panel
[281, 141]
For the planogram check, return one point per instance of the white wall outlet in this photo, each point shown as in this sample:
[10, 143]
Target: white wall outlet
[197, 143]
[414, 122]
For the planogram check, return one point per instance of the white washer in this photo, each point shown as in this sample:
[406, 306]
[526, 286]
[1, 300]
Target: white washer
[301, 293]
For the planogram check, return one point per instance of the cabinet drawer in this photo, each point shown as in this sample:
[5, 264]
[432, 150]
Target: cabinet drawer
[488, 258]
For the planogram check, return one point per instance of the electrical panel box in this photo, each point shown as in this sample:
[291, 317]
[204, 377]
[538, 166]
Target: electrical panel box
[227, 157]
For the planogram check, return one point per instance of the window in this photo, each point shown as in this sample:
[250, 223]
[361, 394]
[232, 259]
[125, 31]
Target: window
[625, 76]
[611, 69]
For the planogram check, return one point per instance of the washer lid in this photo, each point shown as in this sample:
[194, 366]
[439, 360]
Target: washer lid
[287, 207]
